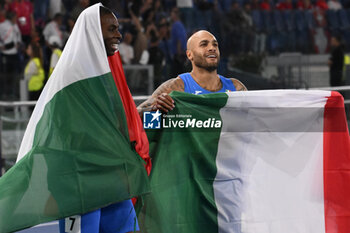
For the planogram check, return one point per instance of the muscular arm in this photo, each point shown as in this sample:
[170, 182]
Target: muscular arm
[160, 98]
[238, 85]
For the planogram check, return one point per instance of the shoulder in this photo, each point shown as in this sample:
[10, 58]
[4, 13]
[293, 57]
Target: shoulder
[174, 84]
[4, 25]
[36, 62]
[31, 66]
[184, 76]
[50, 25]
[238, 85]
[55, 55]
[32, 62]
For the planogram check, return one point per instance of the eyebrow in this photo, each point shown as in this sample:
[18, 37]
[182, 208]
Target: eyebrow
[207, 41]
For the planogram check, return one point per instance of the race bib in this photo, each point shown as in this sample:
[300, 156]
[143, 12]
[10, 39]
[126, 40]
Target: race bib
[72, 224]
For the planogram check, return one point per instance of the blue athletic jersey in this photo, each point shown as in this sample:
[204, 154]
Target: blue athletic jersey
[115, 218]
[191, 86]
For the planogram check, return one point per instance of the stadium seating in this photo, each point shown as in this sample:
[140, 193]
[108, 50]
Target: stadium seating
[344, 26]
[333, 21]
[258, 21]
[281, 37]
[293, 30]
[302, 32]
[288, 18]
[271, 30]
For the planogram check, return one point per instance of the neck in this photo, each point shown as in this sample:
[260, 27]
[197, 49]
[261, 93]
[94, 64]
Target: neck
[208, 80]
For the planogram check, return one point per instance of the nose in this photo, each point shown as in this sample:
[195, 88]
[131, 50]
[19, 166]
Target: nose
[211, 48]
[118, 35]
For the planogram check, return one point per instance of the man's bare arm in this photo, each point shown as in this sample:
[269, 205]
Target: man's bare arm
[238, 85]
[160, 98]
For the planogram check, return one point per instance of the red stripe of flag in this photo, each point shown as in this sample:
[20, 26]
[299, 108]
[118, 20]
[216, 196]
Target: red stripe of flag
[336, 166]
[135, 127]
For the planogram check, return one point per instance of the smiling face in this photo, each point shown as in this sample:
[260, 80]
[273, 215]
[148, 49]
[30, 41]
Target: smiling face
[203, 51]
[110, 32]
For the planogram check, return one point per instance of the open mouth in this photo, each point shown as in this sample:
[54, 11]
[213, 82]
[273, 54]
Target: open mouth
[212, 58]
[115, 46]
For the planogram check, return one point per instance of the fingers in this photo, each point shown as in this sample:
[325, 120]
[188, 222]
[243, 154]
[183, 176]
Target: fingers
[167, 100]
[164, 103]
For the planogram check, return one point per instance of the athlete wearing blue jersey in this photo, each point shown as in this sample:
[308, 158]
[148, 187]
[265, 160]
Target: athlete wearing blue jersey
[204, 54]
[119, 217]
[191, 86]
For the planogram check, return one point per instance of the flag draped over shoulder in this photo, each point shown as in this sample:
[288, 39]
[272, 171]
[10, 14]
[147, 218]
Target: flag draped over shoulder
[136, 132]
[279, 161]
[76, 155]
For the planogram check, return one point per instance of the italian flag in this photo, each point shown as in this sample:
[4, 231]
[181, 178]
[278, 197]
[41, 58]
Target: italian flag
[84, 144]
[279, 163]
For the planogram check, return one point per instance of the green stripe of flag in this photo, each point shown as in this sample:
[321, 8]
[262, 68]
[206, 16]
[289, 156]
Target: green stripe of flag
[179, 188]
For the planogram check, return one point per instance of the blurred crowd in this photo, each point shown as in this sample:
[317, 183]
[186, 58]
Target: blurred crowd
[33, 33]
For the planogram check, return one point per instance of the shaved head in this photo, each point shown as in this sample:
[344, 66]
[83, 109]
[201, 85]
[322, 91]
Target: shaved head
[203, 51]
[196, 37]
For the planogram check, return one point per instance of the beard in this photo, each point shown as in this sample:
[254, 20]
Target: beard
[201, 62]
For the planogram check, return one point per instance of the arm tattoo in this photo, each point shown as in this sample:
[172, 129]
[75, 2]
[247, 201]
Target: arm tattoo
[238, 85]
[175, 84]
[241, 88]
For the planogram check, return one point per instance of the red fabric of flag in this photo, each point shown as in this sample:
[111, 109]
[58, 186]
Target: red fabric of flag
[136, 131]
[336, 165]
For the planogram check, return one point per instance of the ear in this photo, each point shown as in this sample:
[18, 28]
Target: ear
[189, 54]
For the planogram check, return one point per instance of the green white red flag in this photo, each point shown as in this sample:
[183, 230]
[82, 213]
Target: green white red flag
[256, 162]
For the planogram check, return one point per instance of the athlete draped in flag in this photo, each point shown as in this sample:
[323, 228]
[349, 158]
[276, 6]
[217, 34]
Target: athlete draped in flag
[204, 54]
[84, 146]
[119, 217]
